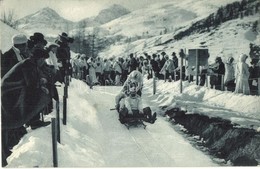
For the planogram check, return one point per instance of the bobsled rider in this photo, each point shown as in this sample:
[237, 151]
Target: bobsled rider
[134, 77]
[131, 107]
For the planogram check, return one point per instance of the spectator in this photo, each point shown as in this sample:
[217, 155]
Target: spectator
[15, 54]
[37, 42]
[254, 74]
[155, 65]
[52, 60]
[229, 79]
[99, 70]
[219, 70]
[92, 72]
[163, 60]
[242, 75]
[132, 63]
[63, 54]
[176, 64]
[118, 71]
[168, 68]
[23, 96]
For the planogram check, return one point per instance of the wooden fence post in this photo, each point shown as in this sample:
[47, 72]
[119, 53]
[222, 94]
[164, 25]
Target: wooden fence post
[222, 82]
[258, 84]
[54, 142]
[58, 120]
[154, 84]
[207, 80]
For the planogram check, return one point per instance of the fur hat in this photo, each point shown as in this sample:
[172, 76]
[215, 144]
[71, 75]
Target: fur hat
[38, 37]
[39, 53]
[163, 53]
[19, 39]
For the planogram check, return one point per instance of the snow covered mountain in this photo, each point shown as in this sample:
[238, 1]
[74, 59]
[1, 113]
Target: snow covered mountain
[50, 23]
[47, 21]
[157, 27]
[106, 15]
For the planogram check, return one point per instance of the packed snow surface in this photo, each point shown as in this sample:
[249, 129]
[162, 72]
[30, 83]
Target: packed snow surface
[93, 136]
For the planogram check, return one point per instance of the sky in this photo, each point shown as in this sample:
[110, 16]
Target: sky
[70, 9]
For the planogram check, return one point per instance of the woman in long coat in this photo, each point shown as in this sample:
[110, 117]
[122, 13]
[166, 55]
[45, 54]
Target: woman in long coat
[229, 79]
[242, 75]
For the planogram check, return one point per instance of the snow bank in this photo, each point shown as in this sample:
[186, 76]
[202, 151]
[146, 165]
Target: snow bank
[238, 108]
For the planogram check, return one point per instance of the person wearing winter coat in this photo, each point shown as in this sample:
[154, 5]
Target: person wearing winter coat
[63, 54]
[133, 64]
[23, 95]
[99, 69]
[242, 76]
[118, 71]
[163, 59]
[15, 54]
[83, 67]
[254, 74]
[52, 60]
[168, 68]
[134, 77]
[75, 66]
[92, 71]
[218, 70]
[155, 65]
[229, 79]
[131, 107]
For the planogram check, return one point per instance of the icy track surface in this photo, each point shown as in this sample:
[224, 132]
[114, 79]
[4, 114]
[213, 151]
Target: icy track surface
[93, 137]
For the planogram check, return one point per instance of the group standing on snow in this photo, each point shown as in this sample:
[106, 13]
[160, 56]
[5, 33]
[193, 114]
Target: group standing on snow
[29, 71]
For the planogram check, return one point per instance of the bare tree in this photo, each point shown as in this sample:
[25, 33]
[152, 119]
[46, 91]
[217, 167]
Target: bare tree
[9, 18]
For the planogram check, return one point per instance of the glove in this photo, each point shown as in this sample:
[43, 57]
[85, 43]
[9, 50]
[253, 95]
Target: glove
[117, 107]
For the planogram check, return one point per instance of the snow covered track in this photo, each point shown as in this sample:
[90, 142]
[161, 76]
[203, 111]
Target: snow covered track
[156, 146]
[94, 137]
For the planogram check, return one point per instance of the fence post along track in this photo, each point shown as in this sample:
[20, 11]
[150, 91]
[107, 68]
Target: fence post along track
[65, 95]
[54, 142]
[154, 84]
[58, 120]
[258, 84]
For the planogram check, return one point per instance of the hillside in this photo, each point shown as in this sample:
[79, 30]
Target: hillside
[46, 20]
[229, 37]
[50, 23]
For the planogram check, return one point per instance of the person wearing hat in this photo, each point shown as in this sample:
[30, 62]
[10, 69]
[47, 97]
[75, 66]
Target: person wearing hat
[219, 71]
[63, 54]
[52, 60]
[131, 107]
[163, 59]
[242, 76]
[15, 54]
[23, 96]
[229, 79]
[254, 74]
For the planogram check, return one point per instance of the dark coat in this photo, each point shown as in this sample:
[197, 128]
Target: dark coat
[21, 95]
[8, 60]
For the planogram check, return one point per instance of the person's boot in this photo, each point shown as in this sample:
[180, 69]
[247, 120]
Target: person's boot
[39, 123]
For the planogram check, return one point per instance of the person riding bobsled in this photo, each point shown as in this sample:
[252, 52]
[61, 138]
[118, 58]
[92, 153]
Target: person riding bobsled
[131, 107]
[134, 77]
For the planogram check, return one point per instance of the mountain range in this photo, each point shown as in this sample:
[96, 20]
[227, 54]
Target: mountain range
[50, 23]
